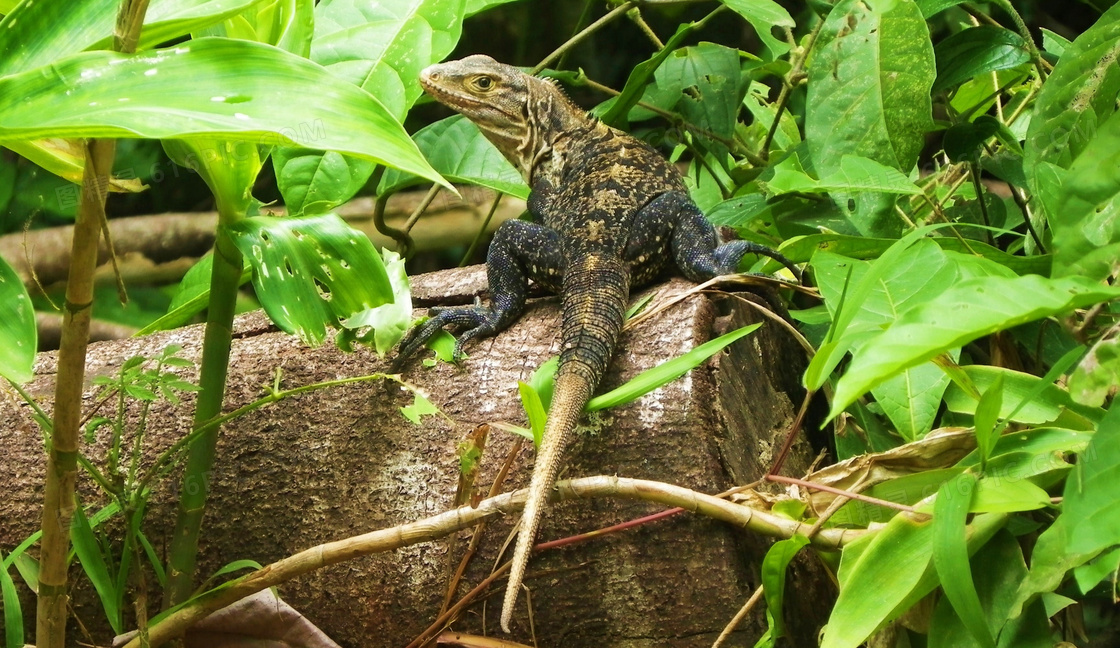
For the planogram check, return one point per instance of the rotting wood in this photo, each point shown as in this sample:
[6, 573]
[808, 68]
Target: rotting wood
[329, 464]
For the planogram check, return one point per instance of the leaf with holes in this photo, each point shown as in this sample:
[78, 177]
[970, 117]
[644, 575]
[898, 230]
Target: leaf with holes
[387, 322]
[311, 272]
[869, 95]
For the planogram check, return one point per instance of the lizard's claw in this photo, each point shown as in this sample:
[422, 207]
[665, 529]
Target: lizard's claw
[728, 255]
[477, 321]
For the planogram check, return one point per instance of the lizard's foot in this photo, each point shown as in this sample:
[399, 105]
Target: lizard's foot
[728, 255]
[477, 321]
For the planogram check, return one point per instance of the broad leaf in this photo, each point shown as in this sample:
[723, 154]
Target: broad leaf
[1091, 504]
[1077, 98]
[876, 575]
[855, 175]
[764, 15]
[1097, 374]
[975, 51]
[1024, 400]
[208, 87]
[18, 336]
[1087, 223]
[387, 323]
[459, 152]
[311, 272]
[380, 47]
[964, 312]
[869, 95]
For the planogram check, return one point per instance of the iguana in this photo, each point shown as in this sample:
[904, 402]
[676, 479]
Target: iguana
[610, 213]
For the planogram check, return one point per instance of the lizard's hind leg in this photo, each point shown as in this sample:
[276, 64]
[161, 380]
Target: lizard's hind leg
[696, 246]
[520, 251]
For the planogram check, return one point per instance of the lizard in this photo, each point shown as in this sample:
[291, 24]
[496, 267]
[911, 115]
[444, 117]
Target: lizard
[609, 212]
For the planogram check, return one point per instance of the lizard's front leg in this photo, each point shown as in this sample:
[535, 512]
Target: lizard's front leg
[520, 251]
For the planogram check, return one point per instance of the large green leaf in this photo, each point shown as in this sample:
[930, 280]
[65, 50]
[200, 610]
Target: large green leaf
[18, 335]
[209, 87]
[459, 152]
[1025, 400]
[1077, 98]
[869, 95]
[1087, 223]
[964, 312]
[854, 175]
[1091, 504]
[876, 575]
[311, 272]
[764, 15]
[975, 51]
[380, 47]
[49, 31]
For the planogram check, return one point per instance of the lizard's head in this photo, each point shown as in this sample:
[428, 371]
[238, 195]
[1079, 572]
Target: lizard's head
[491, 94]
[521, 114]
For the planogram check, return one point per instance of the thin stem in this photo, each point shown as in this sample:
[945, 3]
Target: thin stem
[792, 79]
[635, 15]
[587, 31]
[482, 230]
[739, 616]
[849, 494]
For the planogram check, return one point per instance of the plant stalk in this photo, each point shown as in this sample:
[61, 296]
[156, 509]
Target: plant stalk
[183, 552]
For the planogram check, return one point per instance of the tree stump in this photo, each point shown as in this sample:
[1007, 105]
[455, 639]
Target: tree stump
[333, 463]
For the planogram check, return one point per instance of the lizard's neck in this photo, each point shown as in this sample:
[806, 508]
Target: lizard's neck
[542, 141]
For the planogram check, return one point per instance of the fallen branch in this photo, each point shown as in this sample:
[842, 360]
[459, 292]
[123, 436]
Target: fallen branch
[428, 529]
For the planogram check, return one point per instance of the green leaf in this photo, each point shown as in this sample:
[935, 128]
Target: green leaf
[876, 575]
[1026, 398]
[1097, 373]
[773, 569]
[388, 322]
[764, 15]
[380, 47]
[801, 249]
[1005, 492]
[1078, 97]
[964, 140]
[534, 409]
[856, 174]
[987, 414]
[912, 398]
[246, 94]
[13, 613]
[975, 51]
[311, 272]
[1092, 573]
[543, 380]
[192, 296]
[930, 8]
[459, 152]
[1091, 504]
[613, 112]
[1087, 222]
[95, 568]
[950, 554]
[1054, 43]
[50, 30]
[420, 407]
[960, 314]
[19, 338]
[478, 6]
[869, 95]
[666, 372]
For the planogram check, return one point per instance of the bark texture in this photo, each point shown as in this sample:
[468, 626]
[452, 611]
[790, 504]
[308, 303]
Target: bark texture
[329, 464]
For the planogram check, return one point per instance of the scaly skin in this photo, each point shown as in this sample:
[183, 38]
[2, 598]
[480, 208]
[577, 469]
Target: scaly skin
[610, 211]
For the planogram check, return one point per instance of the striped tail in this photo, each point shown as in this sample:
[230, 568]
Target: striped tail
[595, 291]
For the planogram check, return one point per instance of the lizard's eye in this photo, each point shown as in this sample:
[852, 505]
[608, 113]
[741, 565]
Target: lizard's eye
[484, 83]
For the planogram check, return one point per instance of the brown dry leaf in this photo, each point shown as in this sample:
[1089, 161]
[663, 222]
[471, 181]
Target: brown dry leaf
[939, 449]
[258, 621]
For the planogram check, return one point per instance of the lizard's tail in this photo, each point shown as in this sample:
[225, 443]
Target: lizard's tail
[594, 310]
